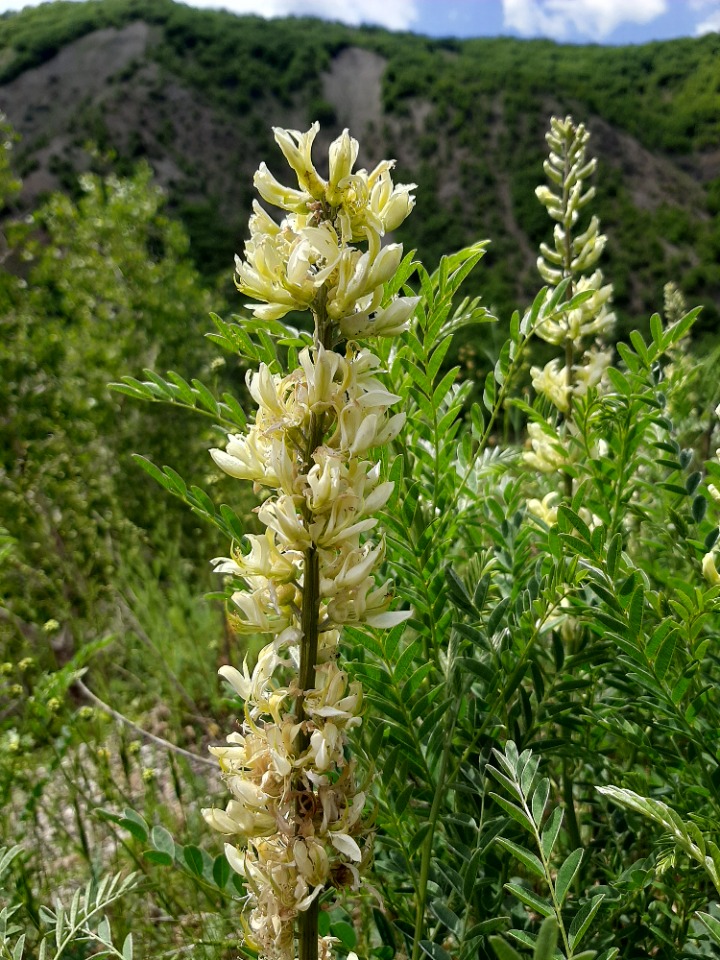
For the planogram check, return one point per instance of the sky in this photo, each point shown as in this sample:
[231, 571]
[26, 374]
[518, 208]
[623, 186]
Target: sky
[572, 21]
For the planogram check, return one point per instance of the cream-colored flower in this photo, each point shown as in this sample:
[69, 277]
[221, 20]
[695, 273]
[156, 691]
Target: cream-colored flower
[312, 861]
[551, 382]
[362, 278]
[245, 458]
[263, 560]
[325, 374]
[388, 322]
[256, 687]
[591, 318]
[391, 204]
[274, 192]
[545, 509]
[345, 844]
[334, 699]
[297, 150]
[348, 570]
[710, 571]
[342, 156]
[262, 610]
[592, 369]
[544, 453]
[365, 603]
[326, 747]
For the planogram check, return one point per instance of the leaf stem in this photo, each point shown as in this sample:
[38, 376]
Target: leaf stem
[557, 906]
[428, 842]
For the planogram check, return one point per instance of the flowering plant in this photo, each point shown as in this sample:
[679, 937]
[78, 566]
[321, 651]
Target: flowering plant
[546, 640]
[295, 803]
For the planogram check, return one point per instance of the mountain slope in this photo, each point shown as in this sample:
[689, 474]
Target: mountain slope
[197, 92]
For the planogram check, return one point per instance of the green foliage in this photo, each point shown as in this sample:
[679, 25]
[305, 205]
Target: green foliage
[687, 836]
[578, 638]
[9, 184]
[540, 737]
[211, 875]
[654, 109]
[64, 928]
[517, 773]
[109, 280]
[96, 597]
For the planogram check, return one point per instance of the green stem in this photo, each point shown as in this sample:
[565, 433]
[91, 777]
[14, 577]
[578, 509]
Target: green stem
[615, 514]
[428, 842]
[557, 906]
[567, 781]
[569, 385]
[308, 932]
[309, 627]
[307, 926]
[569, 799]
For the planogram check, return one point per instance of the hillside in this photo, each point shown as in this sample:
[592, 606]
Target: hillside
[196, 93]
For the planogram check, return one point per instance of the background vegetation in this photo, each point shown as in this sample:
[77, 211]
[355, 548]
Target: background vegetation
[464, 118]
[103, 577]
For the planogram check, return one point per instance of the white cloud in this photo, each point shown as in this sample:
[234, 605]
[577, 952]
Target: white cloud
[393, 14]
[17, 4]
[711, 16]
[595, 19]
[710, 24]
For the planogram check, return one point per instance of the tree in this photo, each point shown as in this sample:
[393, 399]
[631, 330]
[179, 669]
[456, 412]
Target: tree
[107, 286]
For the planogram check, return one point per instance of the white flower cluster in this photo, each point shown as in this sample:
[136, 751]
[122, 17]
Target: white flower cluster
[553, 382]
[324, 504]
[545, 450]
[546, 510]
[567, 167]
[287, 264]
[295, 807]
[709, 566]
[591, 318]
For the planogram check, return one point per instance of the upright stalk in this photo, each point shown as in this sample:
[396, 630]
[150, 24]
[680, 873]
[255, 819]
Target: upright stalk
[309, 642]
[311, 567]
[569, 385]
[308, 932]
[428, 843]
[568, 272]
[307, 926]
[567, 168]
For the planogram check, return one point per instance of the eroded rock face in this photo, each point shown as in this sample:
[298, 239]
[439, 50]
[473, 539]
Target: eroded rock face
[653, 180]
[45, 98]
[43, 102]
[114, 87]
[353, 85]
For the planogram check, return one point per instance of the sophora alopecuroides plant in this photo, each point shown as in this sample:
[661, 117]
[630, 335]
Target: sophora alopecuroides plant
[295, 806]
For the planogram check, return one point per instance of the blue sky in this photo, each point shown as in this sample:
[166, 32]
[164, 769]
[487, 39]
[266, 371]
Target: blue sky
[574, 21]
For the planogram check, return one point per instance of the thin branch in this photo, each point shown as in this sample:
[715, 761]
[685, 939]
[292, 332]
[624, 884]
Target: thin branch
[165, 744]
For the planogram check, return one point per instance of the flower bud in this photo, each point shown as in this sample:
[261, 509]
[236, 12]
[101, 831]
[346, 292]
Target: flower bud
[342, 156]
[710, 571]
[297, 149]
[278, 195]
